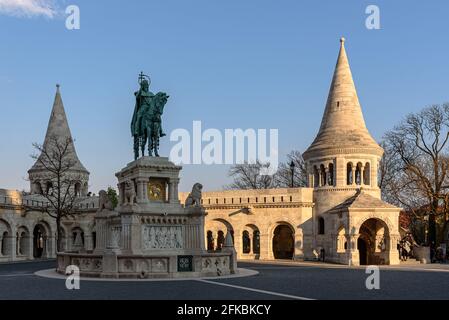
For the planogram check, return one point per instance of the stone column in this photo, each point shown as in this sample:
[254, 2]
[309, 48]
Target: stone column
[88, 244]
[393, 251]
[266, 252]
[13, 246]
[142, 196]
[17, 244]
[353, 174]
[238, 243]
[170, 191]
[251, 242]
[131, 234]
[319, 178]
[51, 247]
[353, 253]
[298, 245]
[326, 175]
[175, 191]
[362, 175]
[30, 247]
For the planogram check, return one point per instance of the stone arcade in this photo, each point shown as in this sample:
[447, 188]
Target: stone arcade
[340, 217]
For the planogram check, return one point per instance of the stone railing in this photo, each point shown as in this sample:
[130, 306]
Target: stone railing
[9, 201]
[33, 203]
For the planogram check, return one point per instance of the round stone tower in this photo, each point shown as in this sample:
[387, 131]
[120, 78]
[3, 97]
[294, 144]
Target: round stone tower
[344, 157]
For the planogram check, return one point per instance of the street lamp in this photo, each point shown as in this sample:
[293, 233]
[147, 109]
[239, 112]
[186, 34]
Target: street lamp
[292, 169]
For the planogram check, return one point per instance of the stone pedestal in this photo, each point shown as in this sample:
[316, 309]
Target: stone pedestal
[151, 234]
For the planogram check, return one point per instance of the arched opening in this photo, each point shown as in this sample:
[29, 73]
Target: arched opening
[358, 174]
[322, 175]
[246, 241]
[283, 242]
[77, 239]
[220, 240]
[22, 242]
[38, 188]
[330, 180]
[4, 245]
[210, 241]
[222, 227]
[366, 174]
[373, 242]
[39, 241]
[5, 239]
[49, 187]
[349, 174]
[316, 177]
[321, 225]
[77, 189]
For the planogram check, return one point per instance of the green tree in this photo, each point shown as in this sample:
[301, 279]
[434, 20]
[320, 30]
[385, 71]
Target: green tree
[112, 194]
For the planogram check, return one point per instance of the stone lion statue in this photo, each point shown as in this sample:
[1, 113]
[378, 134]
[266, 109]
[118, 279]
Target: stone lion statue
[130, 192]
[194, 198]
[105, 202]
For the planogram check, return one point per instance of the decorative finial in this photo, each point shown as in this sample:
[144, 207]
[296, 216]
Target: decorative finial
[342, 40]
[57, 87]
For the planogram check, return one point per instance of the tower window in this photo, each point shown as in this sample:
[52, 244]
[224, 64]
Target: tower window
[321, 225]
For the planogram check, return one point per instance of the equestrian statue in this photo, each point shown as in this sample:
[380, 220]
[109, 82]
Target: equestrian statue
[146, 124]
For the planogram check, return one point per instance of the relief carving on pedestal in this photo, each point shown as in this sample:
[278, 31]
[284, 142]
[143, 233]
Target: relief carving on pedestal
[156, 237]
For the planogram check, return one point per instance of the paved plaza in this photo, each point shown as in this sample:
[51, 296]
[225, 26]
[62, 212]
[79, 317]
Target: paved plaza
[276, 280]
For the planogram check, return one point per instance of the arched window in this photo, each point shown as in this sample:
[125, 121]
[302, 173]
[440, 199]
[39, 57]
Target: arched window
[38, 188]
[349, 177]
[366, 174]
[210, 240]
[320, 225]
[246, 242]
[49, 187]
[77, 189]
[330, 180]
[323, 175]
[316, 177]
[358, 174]
[4, 245]
[24, 243]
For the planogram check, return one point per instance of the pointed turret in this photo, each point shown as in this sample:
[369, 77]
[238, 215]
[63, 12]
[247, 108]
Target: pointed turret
[343, 125]
[58, 127]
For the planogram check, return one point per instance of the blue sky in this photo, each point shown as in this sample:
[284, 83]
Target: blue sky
[231, 64]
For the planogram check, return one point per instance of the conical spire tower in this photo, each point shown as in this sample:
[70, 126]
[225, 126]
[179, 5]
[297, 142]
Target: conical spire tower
[58, 128]
[343, 125]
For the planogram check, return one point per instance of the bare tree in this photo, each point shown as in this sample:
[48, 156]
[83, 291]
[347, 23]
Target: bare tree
[284, 173]
[56, 158]
[249, 176]
[414, 170]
